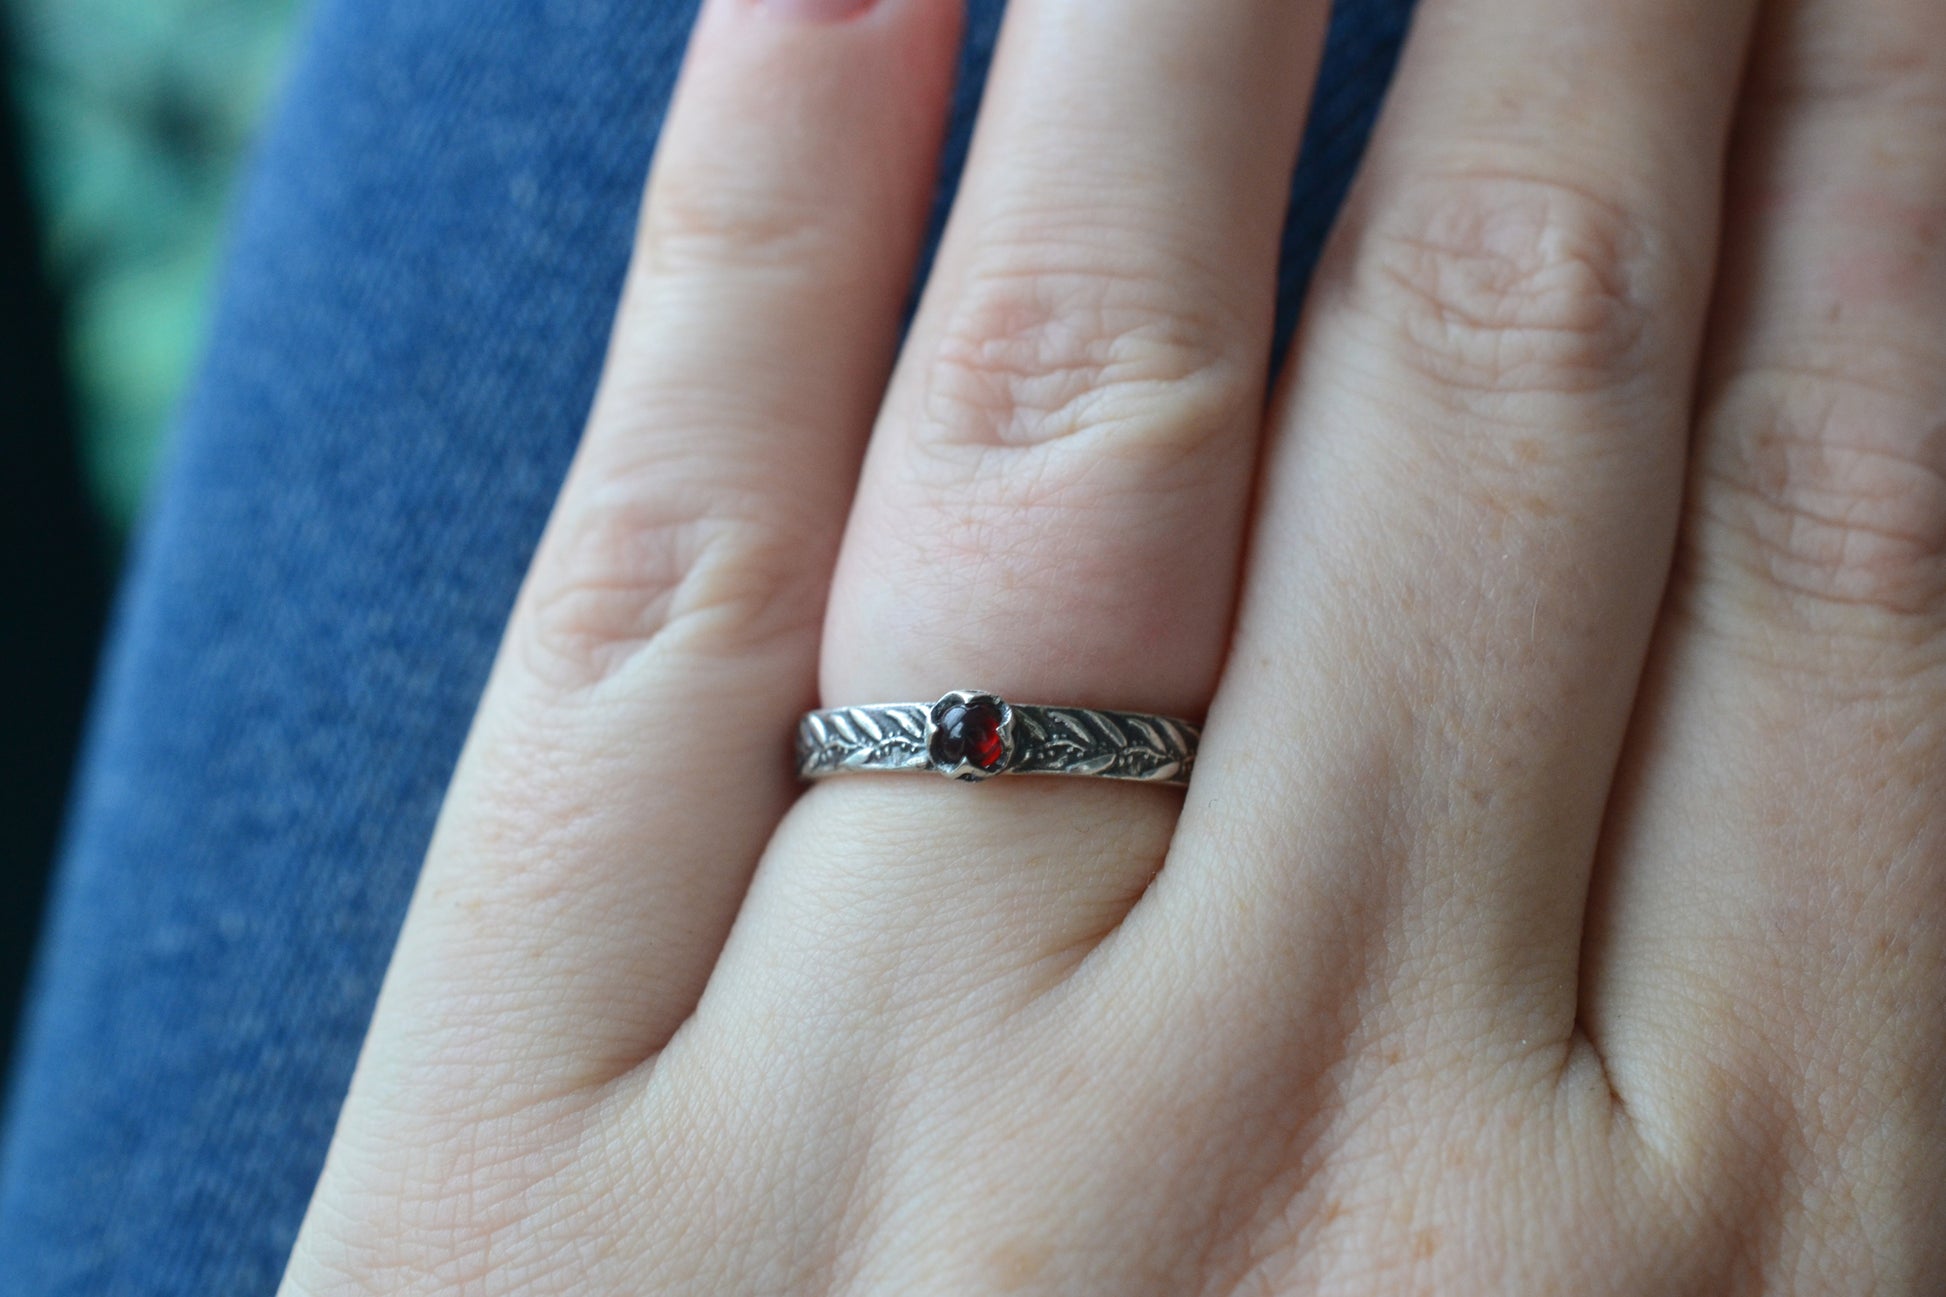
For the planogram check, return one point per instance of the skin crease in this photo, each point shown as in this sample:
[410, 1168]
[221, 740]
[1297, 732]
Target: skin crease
[1559, 906]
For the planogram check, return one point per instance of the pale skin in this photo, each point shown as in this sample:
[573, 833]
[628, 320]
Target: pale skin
[1559, 906]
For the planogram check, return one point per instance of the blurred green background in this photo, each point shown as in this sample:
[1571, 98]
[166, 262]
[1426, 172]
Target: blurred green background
[123, 128]
[135, 114]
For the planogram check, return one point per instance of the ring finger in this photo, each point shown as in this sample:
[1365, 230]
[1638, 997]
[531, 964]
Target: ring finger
[1053, 503]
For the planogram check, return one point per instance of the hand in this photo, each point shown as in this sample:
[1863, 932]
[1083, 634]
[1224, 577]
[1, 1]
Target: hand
[1559, 906]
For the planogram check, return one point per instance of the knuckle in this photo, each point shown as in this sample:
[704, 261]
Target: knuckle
[637, 566]
[1828, 486]
[1505, 283]
[714, 218]
[1031, 356]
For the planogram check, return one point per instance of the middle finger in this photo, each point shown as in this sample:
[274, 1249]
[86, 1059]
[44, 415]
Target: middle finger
[1469, 510]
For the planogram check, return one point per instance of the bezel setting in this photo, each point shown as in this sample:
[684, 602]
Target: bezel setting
[938, 738]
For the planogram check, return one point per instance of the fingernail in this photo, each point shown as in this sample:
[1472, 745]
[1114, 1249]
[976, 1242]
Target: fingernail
[817, 11]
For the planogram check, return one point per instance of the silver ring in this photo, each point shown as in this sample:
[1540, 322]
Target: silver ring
[972, 735]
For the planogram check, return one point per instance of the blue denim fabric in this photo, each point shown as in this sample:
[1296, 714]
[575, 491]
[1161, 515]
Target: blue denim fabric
[411, 323]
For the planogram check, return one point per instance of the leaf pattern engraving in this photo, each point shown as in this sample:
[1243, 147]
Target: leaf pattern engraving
[1047, 741]
[1113, 745]
[861, 738]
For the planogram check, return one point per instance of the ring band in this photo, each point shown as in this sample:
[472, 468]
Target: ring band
[973, 735]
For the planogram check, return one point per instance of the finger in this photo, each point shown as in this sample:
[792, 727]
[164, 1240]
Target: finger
[1774, 907]
[629, 758]
[1071, 430]
[1052, 506]
[1467, 517]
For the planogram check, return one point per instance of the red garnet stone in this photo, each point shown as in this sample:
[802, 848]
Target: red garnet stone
[968, 730]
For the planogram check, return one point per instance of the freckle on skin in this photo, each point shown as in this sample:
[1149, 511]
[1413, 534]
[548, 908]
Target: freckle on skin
[1015, 1265]
[1892, 265]
[1424, 1244]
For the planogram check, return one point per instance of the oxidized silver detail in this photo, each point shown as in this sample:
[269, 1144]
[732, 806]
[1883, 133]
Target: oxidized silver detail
[1039, 741]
